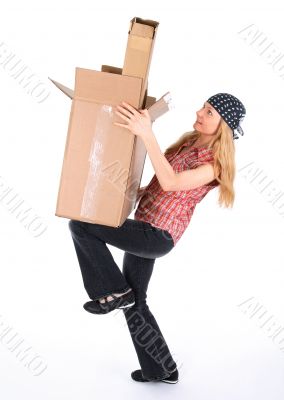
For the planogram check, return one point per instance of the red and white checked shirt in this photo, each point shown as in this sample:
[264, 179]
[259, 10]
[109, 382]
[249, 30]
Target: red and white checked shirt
[172, 210]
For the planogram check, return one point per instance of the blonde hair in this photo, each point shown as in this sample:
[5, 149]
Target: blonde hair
[224, 160]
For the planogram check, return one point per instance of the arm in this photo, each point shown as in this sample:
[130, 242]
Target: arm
[163, 169]
[139, 123]
[193, 178]
[168, 179]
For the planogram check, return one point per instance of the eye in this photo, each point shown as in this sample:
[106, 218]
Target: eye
[208, 110]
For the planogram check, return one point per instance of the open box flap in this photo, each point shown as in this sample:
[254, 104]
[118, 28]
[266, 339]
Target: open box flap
[156, 109]
[69, 92]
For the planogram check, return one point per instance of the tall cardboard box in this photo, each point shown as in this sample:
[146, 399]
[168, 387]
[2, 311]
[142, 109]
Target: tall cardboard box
[103, 163]
[138, 55]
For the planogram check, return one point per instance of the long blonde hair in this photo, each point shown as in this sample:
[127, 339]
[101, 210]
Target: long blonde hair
[224, 160]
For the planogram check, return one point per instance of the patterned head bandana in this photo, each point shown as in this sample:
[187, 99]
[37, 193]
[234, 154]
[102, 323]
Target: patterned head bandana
[231, 110]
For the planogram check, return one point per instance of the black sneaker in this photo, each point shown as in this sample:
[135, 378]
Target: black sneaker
[124, 301]
[172, 378]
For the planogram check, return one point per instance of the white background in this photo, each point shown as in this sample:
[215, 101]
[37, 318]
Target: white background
[225, 257]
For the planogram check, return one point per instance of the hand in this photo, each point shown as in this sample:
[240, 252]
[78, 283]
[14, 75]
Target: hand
[138, 122]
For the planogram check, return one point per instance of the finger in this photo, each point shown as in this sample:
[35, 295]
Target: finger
[126, 112]
[122, 116]
[132, 109]
[123, 125]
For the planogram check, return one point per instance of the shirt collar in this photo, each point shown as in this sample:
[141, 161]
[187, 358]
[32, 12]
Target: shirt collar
[196, 148]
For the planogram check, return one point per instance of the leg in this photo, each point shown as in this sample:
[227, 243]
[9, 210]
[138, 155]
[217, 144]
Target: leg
[99, 271]
[151, 348]
[101, 275]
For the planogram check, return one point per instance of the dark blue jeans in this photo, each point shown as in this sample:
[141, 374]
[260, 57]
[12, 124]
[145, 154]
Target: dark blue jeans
[142, 244]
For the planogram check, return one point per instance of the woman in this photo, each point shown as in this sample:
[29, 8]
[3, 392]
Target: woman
[199, 161]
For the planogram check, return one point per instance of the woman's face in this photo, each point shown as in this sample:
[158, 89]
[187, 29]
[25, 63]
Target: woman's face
[208, 120]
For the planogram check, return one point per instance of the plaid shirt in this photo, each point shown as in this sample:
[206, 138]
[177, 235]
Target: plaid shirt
[172, 210]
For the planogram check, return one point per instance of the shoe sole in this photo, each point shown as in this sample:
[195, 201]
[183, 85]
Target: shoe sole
[166, 381]
[126, 305]
[161, 380]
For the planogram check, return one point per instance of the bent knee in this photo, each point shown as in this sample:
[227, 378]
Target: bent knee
[74, 226]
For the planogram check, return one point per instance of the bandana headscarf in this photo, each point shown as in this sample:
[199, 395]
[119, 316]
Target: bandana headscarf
[231, 110]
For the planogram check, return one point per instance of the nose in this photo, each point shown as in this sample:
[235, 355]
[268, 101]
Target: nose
[198, 113]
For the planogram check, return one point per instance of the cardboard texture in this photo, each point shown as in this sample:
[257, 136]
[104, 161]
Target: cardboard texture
[155, 108]
[103, 163]
[141, 39]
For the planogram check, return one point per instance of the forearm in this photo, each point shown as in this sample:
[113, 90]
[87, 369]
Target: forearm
[162, 167]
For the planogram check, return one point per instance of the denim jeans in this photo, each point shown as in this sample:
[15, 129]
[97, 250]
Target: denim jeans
[142, 244]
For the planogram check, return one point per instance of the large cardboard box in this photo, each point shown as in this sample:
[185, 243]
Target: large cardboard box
[103, 163]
